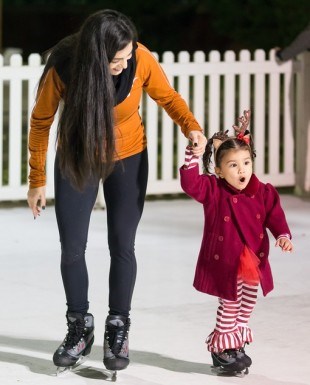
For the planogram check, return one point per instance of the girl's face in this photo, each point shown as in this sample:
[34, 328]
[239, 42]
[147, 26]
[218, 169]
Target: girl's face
[119, 62]
[236, 168]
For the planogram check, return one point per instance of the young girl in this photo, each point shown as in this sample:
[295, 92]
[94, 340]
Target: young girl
[233, 258]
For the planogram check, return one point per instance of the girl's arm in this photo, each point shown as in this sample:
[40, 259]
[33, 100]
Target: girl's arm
[276, 220]
[199, 187]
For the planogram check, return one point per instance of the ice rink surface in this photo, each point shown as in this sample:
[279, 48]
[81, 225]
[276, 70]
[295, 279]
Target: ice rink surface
[170, 320]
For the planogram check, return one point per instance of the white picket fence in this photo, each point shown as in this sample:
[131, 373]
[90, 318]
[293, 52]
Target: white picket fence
[216, 89]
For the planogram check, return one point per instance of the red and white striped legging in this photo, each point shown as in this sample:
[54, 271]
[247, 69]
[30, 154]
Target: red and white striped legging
[231, 330]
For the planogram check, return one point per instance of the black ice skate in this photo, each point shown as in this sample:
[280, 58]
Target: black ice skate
[241, 356]
[116, 343]
[227, 363]
[77, 343]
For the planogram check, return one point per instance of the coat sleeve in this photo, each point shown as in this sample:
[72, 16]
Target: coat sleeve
[202, 188]
[157, 86]
[47, 101]
[275, 216]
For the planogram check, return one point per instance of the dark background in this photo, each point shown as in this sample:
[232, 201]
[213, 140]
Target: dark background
[163, 25]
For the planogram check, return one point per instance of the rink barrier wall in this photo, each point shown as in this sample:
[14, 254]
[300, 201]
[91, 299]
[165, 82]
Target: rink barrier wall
[216, 87]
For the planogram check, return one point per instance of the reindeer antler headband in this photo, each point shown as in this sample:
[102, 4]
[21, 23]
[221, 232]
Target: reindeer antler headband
[241, 132]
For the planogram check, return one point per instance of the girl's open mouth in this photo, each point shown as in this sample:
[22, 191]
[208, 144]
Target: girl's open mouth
[242, 179]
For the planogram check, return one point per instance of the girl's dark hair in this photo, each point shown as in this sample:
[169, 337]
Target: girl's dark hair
[228, 143]
[86, 127]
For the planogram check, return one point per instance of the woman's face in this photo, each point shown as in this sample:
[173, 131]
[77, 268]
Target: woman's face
[236, 168]
[119, 62]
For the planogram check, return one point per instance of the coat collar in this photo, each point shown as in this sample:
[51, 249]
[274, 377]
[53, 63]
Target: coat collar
[251, 188]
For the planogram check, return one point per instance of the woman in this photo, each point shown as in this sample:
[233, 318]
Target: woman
[99, 73]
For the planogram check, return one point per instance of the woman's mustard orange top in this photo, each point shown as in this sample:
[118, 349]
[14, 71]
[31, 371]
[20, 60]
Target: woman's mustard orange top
[129, 129]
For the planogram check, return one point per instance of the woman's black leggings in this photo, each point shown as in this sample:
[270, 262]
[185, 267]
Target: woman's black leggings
[124, 192]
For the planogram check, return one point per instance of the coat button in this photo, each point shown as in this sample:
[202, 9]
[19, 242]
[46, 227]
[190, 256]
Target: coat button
[261, 236]
[258, 216]
[226, 218]
[261, 254]
[220, 238]
[216, 257]
[235, 200]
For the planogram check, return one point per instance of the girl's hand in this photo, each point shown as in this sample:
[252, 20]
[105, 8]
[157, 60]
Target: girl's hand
[285, 244]
[36, 200]
[199, 142]
[191, 160]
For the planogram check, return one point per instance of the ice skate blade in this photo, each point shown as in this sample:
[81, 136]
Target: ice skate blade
[62, 370]
[110, 375]
[217, 370]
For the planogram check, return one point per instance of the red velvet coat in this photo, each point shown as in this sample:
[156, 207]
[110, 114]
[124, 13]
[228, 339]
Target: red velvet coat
[232, 219]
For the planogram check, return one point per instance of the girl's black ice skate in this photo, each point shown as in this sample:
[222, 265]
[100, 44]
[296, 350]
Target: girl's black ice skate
[241, 356]
[227, 363]
[116, 343]
[77, 343]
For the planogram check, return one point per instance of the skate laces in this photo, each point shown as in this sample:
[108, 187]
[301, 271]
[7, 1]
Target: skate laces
[116, 335]
[226, 356]
[75, 332]
[231, 352]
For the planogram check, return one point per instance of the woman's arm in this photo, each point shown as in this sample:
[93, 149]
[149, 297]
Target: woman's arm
[157, 86]
[49, 94]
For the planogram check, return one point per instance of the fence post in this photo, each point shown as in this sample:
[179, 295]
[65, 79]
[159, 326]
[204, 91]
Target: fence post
[303, 127]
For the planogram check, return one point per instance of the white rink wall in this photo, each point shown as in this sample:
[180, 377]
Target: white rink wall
[217, 89]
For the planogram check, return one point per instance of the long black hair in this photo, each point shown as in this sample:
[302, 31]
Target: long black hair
[85, 131]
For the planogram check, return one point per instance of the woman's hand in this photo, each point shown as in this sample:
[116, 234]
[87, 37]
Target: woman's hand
[199, 142]
[36, 200]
